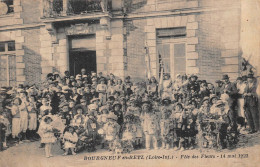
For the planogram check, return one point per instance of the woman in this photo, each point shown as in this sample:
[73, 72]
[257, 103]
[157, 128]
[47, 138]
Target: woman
[16, 119]
[152, 87]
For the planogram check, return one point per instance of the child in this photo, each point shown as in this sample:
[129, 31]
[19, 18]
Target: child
[91, 128]
[138, 143]
[191, 127]
[79, 118]
[133, 109]
[101, 120]
[128, 85]
[70, 139]
[112, 129]
[152, 87]
[177, 120]
[165, 129]
[119, 87]
[4, 123]
[117, 110]
[151, 126]
[16, 119]
[129, 131]
[166, 86]
[46, 132]
[24, 114]
[64, 114]
[101, 89]
[32, 118]
[45, 109]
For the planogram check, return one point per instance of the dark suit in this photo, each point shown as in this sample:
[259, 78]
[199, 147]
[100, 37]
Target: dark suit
[251, 106]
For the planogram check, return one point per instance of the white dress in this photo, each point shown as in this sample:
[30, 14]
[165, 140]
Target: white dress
[47, 136]
[70, 140]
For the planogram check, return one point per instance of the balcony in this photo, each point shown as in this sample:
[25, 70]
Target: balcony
[62, 8]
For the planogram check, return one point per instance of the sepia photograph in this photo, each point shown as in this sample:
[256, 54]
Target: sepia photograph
[129, 83]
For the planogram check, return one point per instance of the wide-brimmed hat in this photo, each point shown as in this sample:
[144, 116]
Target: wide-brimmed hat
[218, 81]
[56, 73]
[166, 74]
[92, 107]
[205, 98]
[101, 79]
[111, 97]
[225, 76]
[193, 75]
[3, 91]
[111, 115]
[212, 96]
[117, 103]
[103, 108]
[239, 78]
[78, 77]
[250, 76]
[63, 104]
[179, 104]
[78, 106]
[219, 103]
[94, 99]
[165, 100]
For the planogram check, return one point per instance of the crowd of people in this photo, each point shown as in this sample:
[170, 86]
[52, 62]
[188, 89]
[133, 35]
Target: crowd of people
[90, 111]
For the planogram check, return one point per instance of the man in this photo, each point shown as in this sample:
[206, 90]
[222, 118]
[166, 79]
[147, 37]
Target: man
[251, 104]
[219, 88]
[230, 89]
[194, 83]
[66, 77]
[83, 72]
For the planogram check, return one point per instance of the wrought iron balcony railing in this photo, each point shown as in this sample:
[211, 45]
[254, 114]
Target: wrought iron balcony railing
[54, 8]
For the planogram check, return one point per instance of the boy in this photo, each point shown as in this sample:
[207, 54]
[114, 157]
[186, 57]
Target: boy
[151, 126]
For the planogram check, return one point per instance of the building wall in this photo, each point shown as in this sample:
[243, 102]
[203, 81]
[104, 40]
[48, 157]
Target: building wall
[213, 34]
[219, 35]
[31, 11]
[135, 35]
[32, 57]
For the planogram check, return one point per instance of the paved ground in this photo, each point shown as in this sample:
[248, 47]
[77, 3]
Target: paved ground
[29, 155]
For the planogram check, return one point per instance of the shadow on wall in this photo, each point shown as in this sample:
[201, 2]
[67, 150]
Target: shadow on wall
[133, 5]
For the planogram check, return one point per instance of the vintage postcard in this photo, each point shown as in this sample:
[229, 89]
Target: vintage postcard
[129, 83]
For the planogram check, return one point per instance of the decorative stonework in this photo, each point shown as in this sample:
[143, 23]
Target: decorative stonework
[78, 29]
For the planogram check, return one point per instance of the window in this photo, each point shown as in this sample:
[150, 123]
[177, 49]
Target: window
[171, 50]
[7, 64]
[6, 6]
[164, 58]
[179, 58]
[7, 46]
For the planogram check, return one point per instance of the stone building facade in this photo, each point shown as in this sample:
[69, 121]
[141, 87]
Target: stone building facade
[123, 37]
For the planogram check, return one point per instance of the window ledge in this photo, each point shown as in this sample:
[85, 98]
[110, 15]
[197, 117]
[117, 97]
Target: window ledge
[7, 15]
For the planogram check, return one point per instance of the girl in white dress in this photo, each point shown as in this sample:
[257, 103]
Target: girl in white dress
[70, 140]
[46, 132]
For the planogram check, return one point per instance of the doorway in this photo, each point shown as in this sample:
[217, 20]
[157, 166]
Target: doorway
[82, 53]
[82, 59]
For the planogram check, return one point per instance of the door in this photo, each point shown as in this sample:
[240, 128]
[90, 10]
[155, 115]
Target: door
[82, 59]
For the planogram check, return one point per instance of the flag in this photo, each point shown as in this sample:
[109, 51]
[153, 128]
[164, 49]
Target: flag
[148, 63]
[161, 70]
